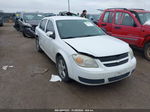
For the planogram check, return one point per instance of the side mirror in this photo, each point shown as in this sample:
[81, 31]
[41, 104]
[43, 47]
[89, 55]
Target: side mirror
[50, 34]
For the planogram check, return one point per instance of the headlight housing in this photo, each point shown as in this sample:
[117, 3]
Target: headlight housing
[85, 61]
[131, 53]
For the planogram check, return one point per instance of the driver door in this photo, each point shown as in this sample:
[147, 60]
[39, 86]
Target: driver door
[125, 28]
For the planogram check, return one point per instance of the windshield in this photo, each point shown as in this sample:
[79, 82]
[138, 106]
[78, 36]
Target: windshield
[144, 17]
[33, 16]
[77, 28]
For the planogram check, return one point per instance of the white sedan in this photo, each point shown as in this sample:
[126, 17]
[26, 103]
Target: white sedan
[83, 52]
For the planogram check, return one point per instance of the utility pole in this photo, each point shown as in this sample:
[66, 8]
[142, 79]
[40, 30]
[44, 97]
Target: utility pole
[68, 5]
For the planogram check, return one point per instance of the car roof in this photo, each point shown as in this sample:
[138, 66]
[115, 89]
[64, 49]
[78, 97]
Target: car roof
[65, 18]
[125, 9]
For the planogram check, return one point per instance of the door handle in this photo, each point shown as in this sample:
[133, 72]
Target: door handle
[104, 24]
[117, 27]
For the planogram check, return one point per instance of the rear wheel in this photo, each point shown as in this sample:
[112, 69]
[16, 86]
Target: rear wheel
[147, 51]
[1, 24]
[62, 69]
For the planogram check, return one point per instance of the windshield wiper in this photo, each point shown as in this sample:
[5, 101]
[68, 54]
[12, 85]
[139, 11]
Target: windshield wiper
[69, 37]
[82, 36]
[90, 35]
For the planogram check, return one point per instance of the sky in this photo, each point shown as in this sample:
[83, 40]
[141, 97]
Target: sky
[55, 6]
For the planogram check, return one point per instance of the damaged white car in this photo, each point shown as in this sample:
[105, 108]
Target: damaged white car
[83, 52]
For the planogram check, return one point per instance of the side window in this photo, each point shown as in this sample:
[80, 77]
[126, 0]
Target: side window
[50, 26]
[111, 15]
[124, 19]
[118, 18]
[127, 20]
[108, 18]
[42, 24]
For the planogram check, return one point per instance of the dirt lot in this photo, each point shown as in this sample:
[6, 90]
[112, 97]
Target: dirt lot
[25, 86]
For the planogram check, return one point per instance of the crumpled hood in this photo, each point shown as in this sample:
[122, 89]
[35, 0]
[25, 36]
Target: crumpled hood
[99, 46]
[33, 22]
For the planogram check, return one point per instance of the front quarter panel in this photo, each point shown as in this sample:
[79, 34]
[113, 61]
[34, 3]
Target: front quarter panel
[66, 52]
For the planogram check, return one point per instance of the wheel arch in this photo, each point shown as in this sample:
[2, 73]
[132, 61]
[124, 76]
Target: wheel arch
[147, 40]
[66, 59]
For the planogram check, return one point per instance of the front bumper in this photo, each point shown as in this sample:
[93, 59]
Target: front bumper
[29, 31]
[100, 76]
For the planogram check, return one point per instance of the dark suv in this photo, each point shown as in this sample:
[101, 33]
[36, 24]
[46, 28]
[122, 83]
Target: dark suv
[1, 19]
[129, 25]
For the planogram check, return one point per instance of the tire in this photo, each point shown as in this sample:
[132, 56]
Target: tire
[62, 69]
[25, 35]
[1, 24]
[38, 48]
[147, 51]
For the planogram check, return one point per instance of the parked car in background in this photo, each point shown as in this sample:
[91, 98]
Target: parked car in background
[84, 52]
[1, 19]
[16, 20]
[27, 23]
[65, 13]
[49, 14]
[94, 18]
[130, 25]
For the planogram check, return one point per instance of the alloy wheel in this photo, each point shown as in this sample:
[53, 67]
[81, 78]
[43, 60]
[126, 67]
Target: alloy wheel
[61, 68]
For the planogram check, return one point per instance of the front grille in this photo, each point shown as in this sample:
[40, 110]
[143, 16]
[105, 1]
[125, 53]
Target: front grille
[116, 60]
[112, 79]
[91, 81]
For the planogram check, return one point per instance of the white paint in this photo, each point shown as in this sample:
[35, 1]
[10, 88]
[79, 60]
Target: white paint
[55, 78]
[147, 22]
[6, 67]
[98, 46]
[88, 24]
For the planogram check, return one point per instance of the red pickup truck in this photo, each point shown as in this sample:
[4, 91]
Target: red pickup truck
[129, 25]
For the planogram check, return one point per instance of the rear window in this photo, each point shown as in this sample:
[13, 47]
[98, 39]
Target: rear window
[108, 18]
[118, 18]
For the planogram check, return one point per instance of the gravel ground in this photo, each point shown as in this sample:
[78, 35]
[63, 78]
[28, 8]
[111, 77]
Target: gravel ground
[26, 85]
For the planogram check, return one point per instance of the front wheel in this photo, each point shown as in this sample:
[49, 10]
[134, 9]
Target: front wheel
[147, 51]
[62, 69]
[1, 24]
